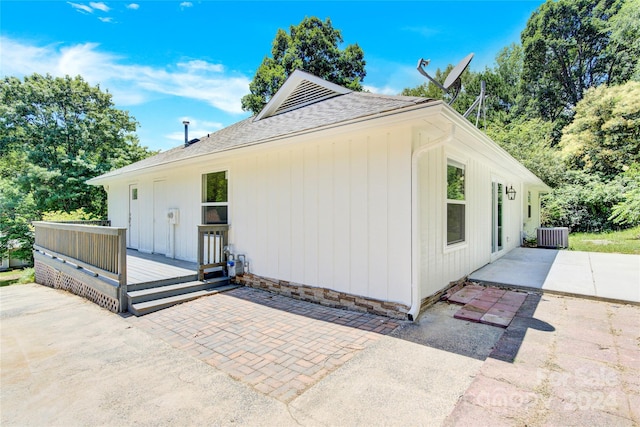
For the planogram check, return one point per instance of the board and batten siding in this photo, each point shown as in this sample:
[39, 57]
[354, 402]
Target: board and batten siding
[332, 213]
[333, 209]
[440, 264]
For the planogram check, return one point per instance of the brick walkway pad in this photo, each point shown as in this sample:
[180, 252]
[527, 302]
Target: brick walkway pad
[487, 304]
[271, 342]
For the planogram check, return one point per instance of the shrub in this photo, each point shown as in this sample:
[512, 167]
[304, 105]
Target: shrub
[584, 203]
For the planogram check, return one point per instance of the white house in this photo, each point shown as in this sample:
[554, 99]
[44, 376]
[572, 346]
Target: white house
[352, 199]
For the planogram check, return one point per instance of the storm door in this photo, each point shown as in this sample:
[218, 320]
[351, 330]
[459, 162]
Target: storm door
[133, 233]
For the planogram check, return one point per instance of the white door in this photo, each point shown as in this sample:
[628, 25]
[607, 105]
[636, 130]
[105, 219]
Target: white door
[133, 233]
[497, 218]
[160, 221]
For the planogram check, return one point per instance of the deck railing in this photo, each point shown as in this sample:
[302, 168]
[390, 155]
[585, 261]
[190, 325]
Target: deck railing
[98, 222]
[97, 249]
[212, 240]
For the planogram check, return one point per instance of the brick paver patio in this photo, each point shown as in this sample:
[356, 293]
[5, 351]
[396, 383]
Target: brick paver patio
[273, 343]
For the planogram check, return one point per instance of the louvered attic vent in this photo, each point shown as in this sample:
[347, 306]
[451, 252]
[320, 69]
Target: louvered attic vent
[299, 90]
[306, 93]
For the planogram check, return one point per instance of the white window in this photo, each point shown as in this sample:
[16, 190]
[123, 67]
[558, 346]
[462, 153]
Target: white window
[456, 202]
[215, 201]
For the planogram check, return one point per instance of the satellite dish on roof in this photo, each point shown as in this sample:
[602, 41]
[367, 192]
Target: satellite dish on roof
[452, 83]
[457, 71]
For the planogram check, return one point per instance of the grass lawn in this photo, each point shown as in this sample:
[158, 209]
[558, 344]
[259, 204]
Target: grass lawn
[16, 276]
[621, 242]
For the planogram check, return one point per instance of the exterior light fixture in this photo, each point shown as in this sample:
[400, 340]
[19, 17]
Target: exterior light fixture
[511, 192]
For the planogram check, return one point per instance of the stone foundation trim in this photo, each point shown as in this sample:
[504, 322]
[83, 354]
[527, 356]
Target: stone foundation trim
[58, 275]
[441, 294]
[326, 297]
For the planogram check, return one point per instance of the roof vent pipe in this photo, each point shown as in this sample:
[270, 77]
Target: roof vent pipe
[186, 132]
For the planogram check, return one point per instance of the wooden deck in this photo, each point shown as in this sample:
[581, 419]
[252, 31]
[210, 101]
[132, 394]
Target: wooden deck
[151, 268]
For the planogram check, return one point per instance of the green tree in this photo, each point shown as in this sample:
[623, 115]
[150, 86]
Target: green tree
[468, 92]
[531, 143]
[66, 132]
[627, 211]
[17, 210]
[501, 81]
[310, 46]
[584, 202]
[504, 87]
[56, 133]
[604, 136]
[624, 47]
[567, 50]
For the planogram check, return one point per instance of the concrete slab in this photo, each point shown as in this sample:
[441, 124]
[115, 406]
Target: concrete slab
[401, 382]
[65, 361]
[571, 273]
[411, 377]
[597, 275]
[524, 267]
[616, 276]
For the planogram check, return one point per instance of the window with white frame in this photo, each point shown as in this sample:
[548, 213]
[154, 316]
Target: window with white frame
[215, 201]
[456, 202]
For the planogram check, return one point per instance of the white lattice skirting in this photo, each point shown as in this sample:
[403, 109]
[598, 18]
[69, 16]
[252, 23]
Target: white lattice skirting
[49, 276]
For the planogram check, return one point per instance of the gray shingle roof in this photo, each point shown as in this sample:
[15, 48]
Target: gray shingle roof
[342, 108]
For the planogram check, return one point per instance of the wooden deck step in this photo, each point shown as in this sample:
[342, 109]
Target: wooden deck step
[145, 301]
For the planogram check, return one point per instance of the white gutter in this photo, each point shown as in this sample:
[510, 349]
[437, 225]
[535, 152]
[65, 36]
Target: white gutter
[416, 300]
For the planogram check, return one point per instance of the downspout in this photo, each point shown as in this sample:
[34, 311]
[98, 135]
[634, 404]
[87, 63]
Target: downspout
[416, 300]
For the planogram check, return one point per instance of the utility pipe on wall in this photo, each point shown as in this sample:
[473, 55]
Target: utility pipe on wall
[416, 300]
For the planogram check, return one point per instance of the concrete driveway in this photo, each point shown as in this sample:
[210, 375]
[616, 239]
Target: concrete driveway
[65, 361]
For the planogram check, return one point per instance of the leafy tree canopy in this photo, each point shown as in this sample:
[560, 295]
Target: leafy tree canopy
[311, 46]
[530, 142]
[604, 136]
[566, 104]
[56, 133]
[62, 132]
[569, 48]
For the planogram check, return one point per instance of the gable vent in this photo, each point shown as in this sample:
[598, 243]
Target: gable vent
[300, 89]
[306, 93]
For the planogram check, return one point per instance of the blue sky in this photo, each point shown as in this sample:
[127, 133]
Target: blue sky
[167, 61]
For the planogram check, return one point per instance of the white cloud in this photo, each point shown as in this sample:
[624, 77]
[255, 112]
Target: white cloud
[133, 6]
[185, 4]
[107, 19]
[100, 6]
[81, 7]
[199, 65]
[130, 84]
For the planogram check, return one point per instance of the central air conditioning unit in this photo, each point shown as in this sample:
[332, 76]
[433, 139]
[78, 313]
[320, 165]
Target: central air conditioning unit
[553, 237]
